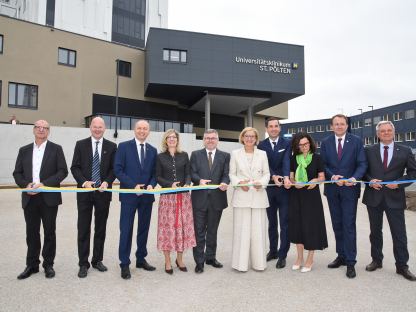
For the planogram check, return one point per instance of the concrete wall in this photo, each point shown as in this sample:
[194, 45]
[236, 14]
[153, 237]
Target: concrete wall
[16, 136]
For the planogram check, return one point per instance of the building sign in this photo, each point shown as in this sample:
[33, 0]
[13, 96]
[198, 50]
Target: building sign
[265, 65]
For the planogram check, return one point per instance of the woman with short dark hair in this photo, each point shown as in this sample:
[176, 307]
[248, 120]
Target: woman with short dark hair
[306, 215]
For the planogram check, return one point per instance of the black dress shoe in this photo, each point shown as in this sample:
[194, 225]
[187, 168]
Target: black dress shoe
[183, 269]
[125, 273]
[374, 265]
[281, 263]
[49, 272]
[406, 274]
[199, 268]
[99, 266]
[83, 271]
[215, 263]
[145, 266]
[28, 272]
[336, 263]
[351, 271]
[270, 256]
[169, 271]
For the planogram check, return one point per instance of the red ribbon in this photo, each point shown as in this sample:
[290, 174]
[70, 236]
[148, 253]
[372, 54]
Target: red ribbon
[178, 206]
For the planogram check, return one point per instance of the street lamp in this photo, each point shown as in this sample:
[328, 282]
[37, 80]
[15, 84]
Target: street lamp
[362, 122]
[372, 123]
[117, 73]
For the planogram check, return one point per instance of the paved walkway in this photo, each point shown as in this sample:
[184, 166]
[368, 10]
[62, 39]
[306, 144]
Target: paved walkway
[214, 290]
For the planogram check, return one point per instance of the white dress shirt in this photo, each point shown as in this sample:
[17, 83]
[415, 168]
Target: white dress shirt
[212, 155]
[342, 141]
[38, 152]
[139, 147]
[100, 146]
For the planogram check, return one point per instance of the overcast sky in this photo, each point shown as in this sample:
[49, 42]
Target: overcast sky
[357, 53]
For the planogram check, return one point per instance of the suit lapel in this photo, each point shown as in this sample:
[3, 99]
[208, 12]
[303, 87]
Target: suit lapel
[104, 153]
[45, 158]
[377, 154]
[396, 151]
[346, 148]
[135, 152]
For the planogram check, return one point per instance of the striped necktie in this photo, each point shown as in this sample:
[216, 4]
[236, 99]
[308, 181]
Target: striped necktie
[96, 166]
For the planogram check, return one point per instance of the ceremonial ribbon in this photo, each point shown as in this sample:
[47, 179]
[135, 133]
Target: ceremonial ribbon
[189, 188]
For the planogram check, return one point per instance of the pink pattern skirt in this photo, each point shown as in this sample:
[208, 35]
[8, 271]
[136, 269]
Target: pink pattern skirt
[175, 225]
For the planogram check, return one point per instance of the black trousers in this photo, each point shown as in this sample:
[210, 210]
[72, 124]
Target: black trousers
[85, 209]
[35, 212]
[206, 222]
[397, 223]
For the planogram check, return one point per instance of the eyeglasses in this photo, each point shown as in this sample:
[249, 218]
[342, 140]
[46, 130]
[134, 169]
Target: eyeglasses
[41, 128]
[211, 139]
[171, 137]
[305, 144]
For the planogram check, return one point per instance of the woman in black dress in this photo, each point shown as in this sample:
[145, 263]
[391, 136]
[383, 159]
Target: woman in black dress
[306, 215]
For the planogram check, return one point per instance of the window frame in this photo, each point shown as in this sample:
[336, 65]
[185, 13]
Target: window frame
[182, 53]
[397, 116]
[17, 84]
[68, 51]
[407, 112]
[128, 75]
[1, 43]
[410, 136]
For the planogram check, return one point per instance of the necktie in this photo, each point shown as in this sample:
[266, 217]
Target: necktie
[96, 167]
[142, 155]
[274, 146]
[385, 157]
[339, 149]
[210, 160]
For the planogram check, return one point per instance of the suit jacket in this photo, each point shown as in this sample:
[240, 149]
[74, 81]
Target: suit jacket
[240, 170]
[402, 160]
[279, 160]
[129, 172]
[81, 167]
[353, 163]
[217, 174]
[53, 171]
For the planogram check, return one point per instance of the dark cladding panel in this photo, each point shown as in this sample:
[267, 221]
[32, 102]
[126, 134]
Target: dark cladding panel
[50, 12]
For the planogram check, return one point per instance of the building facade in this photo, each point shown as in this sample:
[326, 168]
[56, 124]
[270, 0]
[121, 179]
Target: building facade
[363, 125]
[122, 21]
[67, 78]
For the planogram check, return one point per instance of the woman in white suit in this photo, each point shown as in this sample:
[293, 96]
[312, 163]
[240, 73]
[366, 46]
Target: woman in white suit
[249, 165]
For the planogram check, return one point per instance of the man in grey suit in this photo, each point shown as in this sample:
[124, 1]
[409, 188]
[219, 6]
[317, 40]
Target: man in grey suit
[208, 166]
[388, 161]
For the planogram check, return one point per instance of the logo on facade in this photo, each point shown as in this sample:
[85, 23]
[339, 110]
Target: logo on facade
[265, 65]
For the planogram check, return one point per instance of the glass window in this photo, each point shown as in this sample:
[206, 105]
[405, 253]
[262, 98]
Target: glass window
[1, 44]
[318, 144]
[319, 128]
[124, 68]
[166, 55]
[397, 116]
[125, 123]
[410, 136]
[301, 129]
[309, 129]
[168, 125]
[23, 95]
[67, 57]
[409, 114]
[376, 120]
[176, 126]
[183, 56]
[367, 122]
[367, 141]
[385, 117]
[160, 126]
[174, 56]
[398, 137]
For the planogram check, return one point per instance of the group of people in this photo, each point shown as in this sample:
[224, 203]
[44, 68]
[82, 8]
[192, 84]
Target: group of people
[276, 195]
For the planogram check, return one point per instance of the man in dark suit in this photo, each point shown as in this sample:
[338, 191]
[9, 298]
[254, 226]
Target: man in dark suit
[135, 167]
[388, 161]
[344, 158]
[92, 167]
[278, 155]
[38, 164]
[208, 166]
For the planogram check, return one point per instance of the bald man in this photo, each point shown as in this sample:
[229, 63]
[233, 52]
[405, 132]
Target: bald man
[92, 167]
[38, 164]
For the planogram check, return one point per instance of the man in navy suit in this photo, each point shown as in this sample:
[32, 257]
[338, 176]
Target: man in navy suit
[344, 158]
[135, 168]
[278, 155]
[388, 161]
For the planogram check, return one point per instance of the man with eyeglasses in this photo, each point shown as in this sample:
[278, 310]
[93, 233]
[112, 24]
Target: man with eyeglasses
[208, 166]
[278, 155]
[39, 164]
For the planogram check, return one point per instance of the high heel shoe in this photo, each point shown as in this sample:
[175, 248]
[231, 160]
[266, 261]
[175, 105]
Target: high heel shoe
[306, 269]
[295, 267]
[169, 271]
[183, 269]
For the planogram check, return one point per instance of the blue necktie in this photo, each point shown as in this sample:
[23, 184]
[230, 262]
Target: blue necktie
[96, 166]
[142, 155]
[274, 146]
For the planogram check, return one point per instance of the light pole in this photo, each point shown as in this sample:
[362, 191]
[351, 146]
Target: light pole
[372, 123]
[362, 123]
[117, 73]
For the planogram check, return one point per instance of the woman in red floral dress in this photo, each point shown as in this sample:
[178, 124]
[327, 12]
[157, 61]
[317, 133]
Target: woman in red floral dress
[175, 229]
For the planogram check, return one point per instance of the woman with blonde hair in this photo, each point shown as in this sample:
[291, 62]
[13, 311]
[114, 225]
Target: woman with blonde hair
[249, 168]
[175, 230]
